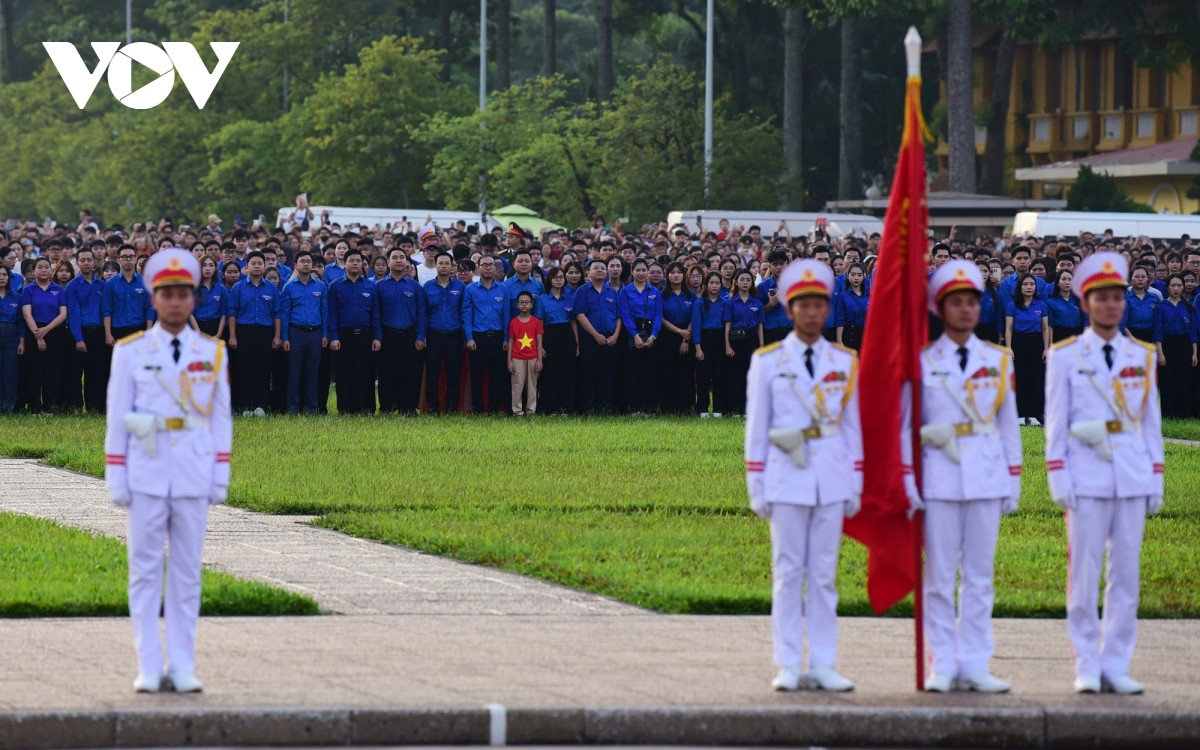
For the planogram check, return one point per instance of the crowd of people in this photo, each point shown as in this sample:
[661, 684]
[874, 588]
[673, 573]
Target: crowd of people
[661, 320]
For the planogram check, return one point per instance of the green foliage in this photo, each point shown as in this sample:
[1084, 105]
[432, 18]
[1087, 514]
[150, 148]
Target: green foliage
[1099, 191]
[657, 518]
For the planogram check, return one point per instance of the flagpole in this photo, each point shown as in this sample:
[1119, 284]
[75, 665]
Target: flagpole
[912, 50]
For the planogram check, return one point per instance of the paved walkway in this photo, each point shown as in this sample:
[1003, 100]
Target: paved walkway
[437, 651]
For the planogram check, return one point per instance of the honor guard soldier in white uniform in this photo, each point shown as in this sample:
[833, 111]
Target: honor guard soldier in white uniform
[170, 432]
[971, 476]
[804, 472]
[1104, 455]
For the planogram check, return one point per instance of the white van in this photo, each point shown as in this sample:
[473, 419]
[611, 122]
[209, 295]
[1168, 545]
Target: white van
[768, 221]
[397, 219]
[1069, 224]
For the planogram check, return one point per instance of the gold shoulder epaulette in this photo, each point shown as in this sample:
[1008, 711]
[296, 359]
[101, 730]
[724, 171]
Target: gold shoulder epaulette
[131, 337]
[214, 339]
[999, 348]
[1064, 342]
[769, 348]
[845, 349]
[1143, 344]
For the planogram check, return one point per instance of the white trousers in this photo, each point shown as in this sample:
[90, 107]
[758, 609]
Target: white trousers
[1104, 646]
[804, 554]
[151, 522]
[960, 535]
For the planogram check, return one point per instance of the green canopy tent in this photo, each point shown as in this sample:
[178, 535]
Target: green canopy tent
[524, 217]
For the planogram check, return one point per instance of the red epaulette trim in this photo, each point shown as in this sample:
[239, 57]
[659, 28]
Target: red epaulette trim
[1158, 468]
[907, 470]
[1056, 465]
[858, 466]
[222, 458]
[1014, 471]
[753, 466]
[114, 459]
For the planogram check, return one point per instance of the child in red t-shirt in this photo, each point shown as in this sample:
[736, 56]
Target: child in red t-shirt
[524, 355]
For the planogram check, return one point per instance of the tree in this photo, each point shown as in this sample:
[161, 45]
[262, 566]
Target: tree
[605, 72]
[1099, 191]
[960, 97]
[850, 144]
[549, 37]
[793, 124]
[503, 39]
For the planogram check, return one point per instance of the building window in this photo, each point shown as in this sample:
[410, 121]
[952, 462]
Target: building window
[1041, 130]
[1187, 122]
[1145, 125]
[1080, 126]
[1112, 127]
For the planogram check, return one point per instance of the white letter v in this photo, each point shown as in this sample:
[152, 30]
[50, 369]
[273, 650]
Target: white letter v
[80, 81]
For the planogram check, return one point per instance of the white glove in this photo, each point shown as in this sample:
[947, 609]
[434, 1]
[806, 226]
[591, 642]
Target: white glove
[218, 495]
[853, 506]
[761, 507]
[122, 500]
[1065, 501]
[1008, 505]
[1154, 505]
[914, 502]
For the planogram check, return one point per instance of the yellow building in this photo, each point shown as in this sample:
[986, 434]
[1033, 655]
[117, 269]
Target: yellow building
[1087, 102]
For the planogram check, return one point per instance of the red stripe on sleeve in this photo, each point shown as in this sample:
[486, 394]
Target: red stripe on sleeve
[1056, 465]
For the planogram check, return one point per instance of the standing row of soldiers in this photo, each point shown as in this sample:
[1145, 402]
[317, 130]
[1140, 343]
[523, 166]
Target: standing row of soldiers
[1104, 457]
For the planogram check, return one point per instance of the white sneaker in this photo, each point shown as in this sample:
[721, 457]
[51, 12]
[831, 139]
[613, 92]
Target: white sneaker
[984, 683]
[185, 682]
[716, 415]
[826, 678]
[788, 679]
[259, 412]
[704, 415]
[1121, 684]
[1085, 684]
[1034, 423]
[939, 683]
[247, 413]
[147, 683]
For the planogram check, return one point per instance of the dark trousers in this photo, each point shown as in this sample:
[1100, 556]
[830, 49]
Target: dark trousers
[771, 335]
[489, 357]
[279, 380]
[710, 372]
[597, 375]
[638, 375]
[987, 332]
[442, 349]
[9, 367]
[852, 337]
[556, 384]
[324, 378]
[1030, 374]
[70, 395]
[1059, 333]
[304, 360]
[253, 372]
[120, 332]
[209, 327]
[738, 366]
[96, 362]
[44, 370]
[1142, 334]
[355, 376]
[1174, 378]
[676, 378]
[399, 371]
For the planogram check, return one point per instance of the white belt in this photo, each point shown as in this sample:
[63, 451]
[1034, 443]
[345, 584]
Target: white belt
[171, 424]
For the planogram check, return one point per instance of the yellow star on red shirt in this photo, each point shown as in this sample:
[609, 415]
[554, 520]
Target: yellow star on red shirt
[525, 341]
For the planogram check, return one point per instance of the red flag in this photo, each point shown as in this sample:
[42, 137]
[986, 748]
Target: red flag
[896, 331]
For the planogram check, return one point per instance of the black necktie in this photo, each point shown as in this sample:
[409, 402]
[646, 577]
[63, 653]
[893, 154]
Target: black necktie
[175, 345]
[962, 358]
[1108, 355]
[808, 365]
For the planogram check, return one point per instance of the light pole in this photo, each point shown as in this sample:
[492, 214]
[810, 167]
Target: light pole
[128, 21]
[482, 107]
[708, 100]
[287, 17]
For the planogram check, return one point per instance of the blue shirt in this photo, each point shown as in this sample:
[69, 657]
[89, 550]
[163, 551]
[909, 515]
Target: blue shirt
[515, 286]
[443, 306]
[743, 314]
[486, 309]
[10, 308]
[644, 305]
[126, 302]
[210, 303]
[401, 303]
[44, 303]
[1173, 320]
[333, 272]
[1064, 313]
[1028, 320]
[1008, 290]
[677, 308]
[354, 304]
[83, 305]
[600, 307]
[556, 310]
[707, 316]
[777, 316]
[850, 309]
[303, 305]
[1139, 313]
[990, 311]
[252, 305]
[15, 281]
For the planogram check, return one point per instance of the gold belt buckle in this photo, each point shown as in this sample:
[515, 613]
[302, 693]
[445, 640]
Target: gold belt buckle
[1114, 425]
[174, 423]
[964, 428]
[812, 433]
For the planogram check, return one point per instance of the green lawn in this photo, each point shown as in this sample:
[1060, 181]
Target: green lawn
[652, 512]
[47, 570]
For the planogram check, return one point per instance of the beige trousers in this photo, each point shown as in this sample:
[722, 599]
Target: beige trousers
[524, 380]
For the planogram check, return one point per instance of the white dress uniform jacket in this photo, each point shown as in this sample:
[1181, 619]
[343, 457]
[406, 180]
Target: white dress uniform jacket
[781, 395]
[987, 442]
[192, 462]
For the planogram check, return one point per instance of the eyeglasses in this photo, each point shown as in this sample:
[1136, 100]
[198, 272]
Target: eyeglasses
[126, 257]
